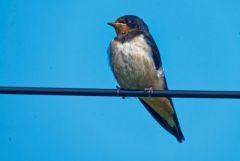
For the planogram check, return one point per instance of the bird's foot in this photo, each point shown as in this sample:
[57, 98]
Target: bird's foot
[118, 91]
[149, 91]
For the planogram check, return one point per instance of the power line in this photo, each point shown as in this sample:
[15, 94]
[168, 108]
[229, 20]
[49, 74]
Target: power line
[119, 92]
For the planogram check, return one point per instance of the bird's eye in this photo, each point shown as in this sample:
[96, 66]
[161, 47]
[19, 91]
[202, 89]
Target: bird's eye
[131, 23]
[128, 21]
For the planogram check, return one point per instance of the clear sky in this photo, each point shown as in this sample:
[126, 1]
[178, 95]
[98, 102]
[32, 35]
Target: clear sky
[56, 43]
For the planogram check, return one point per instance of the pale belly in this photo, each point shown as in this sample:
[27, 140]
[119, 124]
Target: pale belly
[133, 72]
[133, 66]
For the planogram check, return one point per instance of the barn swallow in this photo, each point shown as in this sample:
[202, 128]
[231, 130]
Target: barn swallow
[136, 64]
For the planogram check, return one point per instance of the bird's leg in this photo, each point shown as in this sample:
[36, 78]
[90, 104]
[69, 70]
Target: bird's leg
[118, 91]
[149, 90]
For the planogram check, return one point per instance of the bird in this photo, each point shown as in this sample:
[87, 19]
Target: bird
[136, 64]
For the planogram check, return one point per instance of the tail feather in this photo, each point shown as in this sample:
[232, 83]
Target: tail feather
[175, 130]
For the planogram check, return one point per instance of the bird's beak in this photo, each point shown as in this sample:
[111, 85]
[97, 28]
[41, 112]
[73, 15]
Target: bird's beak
[111, 24]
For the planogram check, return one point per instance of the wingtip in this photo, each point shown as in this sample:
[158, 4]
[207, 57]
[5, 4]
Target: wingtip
[175, 130]
[180, 140]
[179, 135]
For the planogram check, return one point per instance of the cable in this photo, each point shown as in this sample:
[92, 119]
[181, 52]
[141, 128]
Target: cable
[119, 92]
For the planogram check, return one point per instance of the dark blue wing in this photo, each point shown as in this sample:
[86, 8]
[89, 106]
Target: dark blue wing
[176, 131]
[155, 51]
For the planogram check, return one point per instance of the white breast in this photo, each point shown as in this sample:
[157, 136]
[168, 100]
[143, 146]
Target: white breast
[133, 65]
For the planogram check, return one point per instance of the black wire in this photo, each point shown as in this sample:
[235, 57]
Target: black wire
[119, 92]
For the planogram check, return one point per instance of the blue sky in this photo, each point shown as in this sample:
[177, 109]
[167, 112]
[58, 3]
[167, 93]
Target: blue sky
[64, 43]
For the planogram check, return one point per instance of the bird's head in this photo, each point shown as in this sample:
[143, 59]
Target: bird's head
[128, 23]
